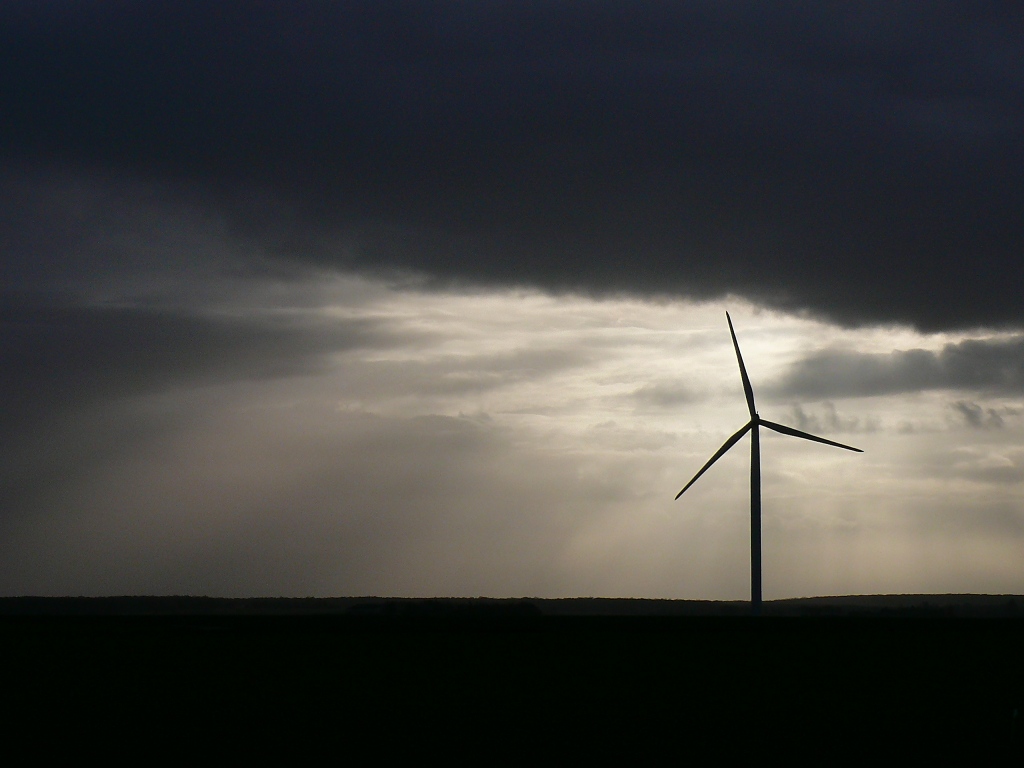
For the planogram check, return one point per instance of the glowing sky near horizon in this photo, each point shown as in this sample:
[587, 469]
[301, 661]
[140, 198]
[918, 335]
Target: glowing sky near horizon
[509, 443]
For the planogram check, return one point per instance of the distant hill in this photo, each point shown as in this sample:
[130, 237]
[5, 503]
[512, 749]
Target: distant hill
[966, 606]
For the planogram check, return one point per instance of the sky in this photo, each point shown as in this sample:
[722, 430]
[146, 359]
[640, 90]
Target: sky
[428, 298]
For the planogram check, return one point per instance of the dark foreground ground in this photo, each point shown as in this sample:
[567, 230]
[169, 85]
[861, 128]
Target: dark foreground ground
[481, 679]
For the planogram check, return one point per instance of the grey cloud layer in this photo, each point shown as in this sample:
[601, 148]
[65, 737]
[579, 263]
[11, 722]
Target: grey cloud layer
[455, 375]
[664, 394]
[61, 356]
[980, 417]
[975, 364]
[831, 421]
[856, 160]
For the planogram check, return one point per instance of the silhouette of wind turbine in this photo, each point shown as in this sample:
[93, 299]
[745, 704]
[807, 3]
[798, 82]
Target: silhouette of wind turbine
[753, 426]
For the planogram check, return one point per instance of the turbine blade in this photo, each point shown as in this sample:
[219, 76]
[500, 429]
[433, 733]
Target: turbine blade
[797, 433]
[747, 390]
[728, 444]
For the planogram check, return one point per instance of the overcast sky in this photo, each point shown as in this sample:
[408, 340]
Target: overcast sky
[428, 298]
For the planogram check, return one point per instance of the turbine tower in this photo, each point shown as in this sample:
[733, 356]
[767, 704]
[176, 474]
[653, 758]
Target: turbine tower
[753, 426]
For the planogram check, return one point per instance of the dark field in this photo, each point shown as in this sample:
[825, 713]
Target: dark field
[942, 675]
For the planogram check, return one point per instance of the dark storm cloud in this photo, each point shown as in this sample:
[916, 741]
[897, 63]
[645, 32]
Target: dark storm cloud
[974, 364]
[861, 161]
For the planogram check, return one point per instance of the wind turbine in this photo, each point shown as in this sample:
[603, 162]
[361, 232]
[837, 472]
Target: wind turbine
[753, 426]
